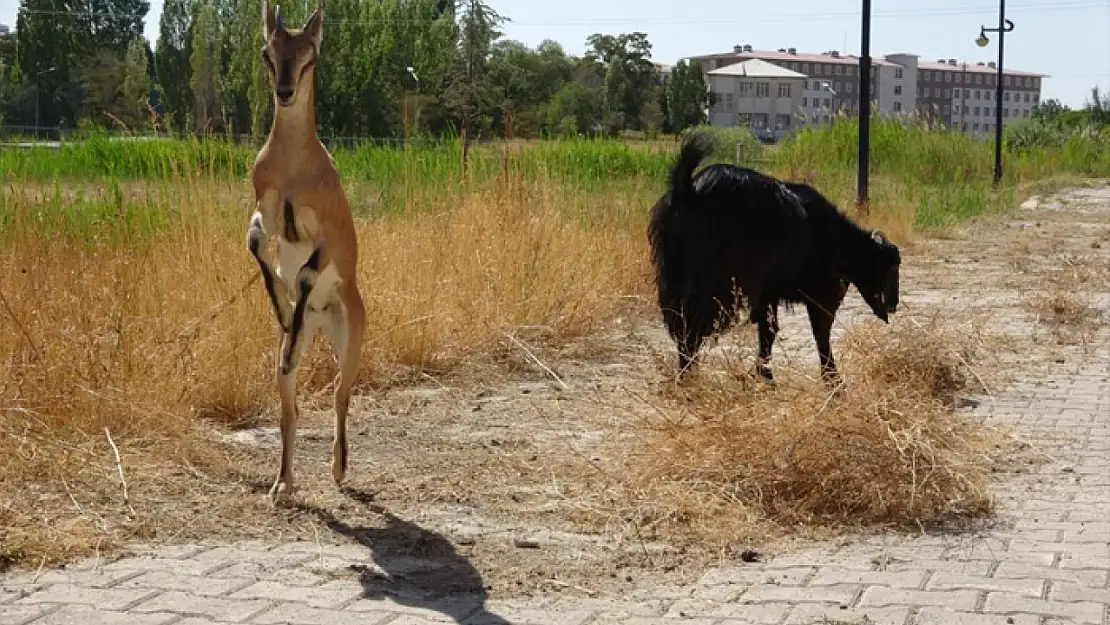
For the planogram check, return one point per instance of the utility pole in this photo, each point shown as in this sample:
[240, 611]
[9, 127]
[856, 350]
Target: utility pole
[1004, 26]
[864, 107]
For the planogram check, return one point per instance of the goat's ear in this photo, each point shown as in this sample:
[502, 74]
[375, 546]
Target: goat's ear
[880, 238]
[269, 20]
[315, 25]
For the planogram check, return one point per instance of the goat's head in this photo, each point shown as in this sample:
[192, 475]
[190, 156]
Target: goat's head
[290, 54]
[879, 284]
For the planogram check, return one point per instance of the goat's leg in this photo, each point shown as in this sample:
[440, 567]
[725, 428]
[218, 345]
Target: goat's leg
[821, 321]
[767, 319]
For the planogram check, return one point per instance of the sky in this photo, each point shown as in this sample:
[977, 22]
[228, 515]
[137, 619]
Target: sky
[1067, 39]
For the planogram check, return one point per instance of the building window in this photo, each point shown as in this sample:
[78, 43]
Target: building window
[745, 89]
[728, 101]
[1006, 112]
[927, 75]
[975, 127]
[784, 90]
[847, 87]
[967, 94]
[851, 70]
[897, 106]
[1025, 113]
[897, 89]
[744, 119]
[947, 109]
[986, 111]
[959, 78]
[839, 70]
[759, 120]
[1036, 97]
[805, 68]
[947, 94]
[1027, 98]
[1006, 96]
[805, 102]
[947, 76]
[898, 73]
[978, 79]
[826, 102]
[978, 94]
[762, 89]
[965, 110]
[782, 122]
[1006, 81]
[977, 111]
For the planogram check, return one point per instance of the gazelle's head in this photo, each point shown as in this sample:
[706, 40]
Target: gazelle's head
[290, 54]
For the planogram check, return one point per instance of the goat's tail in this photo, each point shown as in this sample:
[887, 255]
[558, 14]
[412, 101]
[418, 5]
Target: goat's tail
[695, 149]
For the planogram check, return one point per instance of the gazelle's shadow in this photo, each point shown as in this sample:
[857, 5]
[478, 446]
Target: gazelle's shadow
[415, 566]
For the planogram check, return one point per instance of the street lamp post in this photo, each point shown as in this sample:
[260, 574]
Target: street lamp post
[1004, 26]
[864, 105]
[38, 90]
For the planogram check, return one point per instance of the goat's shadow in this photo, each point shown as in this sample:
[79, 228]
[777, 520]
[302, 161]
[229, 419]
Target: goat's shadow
[414, 566]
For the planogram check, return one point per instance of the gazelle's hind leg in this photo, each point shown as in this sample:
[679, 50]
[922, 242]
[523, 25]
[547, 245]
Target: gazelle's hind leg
[345, 326]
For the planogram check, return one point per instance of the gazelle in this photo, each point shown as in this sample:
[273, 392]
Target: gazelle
[299, 199]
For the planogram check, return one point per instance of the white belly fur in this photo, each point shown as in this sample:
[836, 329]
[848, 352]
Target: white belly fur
[291, 257]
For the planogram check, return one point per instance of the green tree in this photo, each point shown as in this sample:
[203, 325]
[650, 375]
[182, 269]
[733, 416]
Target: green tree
[204, 64]
[469, 95]
[629, 75]
[171, 59]
[135, 96]
[687, 97]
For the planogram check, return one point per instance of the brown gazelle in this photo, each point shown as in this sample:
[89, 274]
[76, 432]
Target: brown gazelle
[299, 199]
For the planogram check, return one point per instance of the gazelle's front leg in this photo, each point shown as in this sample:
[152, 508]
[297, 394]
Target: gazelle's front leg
[263, 224]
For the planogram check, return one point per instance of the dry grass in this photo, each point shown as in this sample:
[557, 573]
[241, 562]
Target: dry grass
[733, 460]
[136, 333]
[1065, 305]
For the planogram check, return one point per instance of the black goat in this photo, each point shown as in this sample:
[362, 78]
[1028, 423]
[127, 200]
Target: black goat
[730, 229]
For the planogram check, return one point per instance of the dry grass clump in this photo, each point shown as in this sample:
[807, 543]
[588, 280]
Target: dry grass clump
[742, 459]
[1065, 307]
[132, 323]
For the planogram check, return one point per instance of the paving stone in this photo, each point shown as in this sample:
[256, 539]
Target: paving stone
[85, 615]
[812, 613]
[16, 614]
[313, 596]
[755, 613]
[110, 599]
[509, 616]
[197, 585]
[1093, 578]
[1006, 603]
[941, 616]
[301, 614]
[218, 609]
[1031, 587]
[879, 596]
[829, 576]
[1066, 591]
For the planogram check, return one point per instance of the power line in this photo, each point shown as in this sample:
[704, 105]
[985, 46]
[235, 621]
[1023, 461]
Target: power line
[783, 17]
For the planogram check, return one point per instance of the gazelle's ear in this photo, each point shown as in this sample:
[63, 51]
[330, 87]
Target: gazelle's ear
[269, 20]
[315, 25]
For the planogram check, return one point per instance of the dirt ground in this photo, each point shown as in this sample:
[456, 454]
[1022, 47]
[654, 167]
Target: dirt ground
[513, 477]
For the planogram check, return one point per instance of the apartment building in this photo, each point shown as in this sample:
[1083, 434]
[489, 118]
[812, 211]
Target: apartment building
[963, 95]
[900, 83]
[756, 94]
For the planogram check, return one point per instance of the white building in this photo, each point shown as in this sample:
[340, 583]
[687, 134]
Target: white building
[758, 95]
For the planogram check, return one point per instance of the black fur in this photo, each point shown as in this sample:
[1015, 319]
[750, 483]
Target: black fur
[306, 284]
[255, 239]
[730, 237]
[290, 223]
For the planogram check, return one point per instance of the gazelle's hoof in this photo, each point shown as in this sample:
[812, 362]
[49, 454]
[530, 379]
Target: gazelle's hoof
[281, 492]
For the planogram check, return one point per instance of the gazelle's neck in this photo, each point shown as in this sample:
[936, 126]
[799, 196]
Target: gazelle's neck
[295, 125]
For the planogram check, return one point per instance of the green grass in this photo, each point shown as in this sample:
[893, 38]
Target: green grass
[940, 178]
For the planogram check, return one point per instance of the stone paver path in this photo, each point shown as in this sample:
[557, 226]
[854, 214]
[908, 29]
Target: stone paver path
[1045, 561]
